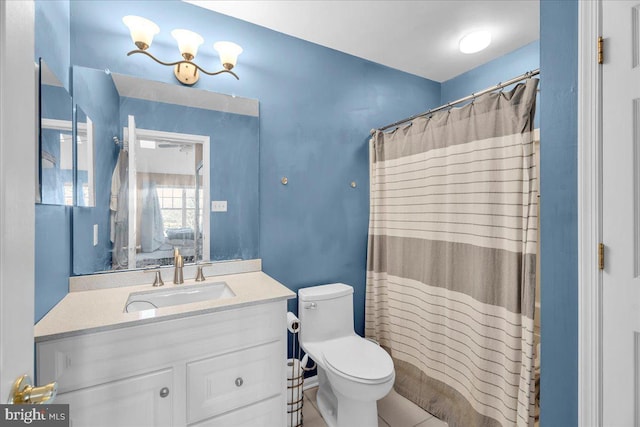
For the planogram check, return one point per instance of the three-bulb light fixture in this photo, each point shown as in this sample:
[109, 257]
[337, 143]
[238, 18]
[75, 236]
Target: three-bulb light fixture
[186, 71]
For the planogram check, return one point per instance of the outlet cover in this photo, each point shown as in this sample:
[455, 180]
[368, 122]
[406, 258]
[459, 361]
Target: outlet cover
[218, 206]
[95, 234]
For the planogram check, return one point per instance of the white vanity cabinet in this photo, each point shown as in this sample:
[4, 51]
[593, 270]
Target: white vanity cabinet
[223, 368]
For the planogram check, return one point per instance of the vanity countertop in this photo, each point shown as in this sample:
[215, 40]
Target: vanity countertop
[90, 311]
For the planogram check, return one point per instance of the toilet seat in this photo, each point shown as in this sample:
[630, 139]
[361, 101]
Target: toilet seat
[358, 359]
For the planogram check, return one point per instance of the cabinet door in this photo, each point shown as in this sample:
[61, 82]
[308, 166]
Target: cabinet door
[136, 402]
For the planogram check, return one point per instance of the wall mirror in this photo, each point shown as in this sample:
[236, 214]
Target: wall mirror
[162, 154]
[55, 163]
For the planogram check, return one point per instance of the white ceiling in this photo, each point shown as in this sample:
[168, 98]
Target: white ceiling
[419, 37]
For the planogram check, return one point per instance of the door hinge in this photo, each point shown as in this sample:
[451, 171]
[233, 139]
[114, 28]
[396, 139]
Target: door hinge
[600, 50]
[601, 256]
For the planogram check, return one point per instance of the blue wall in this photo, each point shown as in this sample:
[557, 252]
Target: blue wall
[52, 256]
[52, 37]
[234, 162]
[53, 223]
[56, 103]
[558, 136]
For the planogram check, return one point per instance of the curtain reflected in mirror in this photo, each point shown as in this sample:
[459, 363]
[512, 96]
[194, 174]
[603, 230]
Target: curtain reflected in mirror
[119, 210]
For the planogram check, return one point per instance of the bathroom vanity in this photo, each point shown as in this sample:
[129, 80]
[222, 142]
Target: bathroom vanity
[217, 362]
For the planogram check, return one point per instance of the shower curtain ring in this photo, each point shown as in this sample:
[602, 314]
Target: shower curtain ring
[449, 106]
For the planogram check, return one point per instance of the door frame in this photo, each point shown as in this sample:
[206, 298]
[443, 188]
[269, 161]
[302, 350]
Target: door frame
[18, 119]
[205, 142]
[589, 215]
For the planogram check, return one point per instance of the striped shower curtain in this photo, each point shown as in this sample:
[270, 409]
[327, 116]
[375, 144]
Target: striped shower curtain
[451, 258]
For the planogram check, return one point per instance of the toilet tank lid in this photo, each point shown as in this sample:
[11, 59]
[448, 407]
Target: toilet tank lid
[322, 292]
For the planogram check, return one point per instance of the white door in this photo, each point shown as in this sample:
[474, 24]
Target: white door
[17, 191]
[621, 213]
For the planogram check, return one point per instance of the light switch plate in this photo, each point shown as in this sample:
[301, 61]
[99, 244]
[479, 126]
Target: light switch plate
[95, 234]
[218, 206]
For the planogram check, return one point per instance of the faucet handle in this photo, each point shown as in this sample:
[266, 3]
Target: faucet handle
[200, 276]
[157, 281]
[177, 272]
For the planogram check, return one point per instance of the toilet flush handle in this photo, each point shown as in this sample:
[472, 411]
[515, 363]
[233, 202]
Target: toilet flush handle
[311, 305]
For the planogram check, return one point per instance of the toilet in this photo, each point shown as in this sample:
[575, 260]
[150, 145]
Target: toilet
[353, 372]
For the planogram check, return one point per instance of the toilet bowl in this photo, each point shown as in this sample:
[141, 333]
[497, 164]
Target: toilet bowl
[353, 372]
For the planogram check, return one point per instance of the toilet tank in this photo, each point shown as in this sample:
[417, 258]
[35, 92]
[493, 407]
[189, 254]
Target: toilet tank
[325, 312]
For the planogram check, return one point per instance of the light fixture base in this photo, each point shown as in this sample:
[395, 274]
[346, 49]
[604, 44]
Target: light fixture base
[186, 73]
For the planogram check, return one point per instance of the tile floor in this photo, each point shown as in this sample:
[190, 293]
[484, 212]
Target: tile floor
[393, 411]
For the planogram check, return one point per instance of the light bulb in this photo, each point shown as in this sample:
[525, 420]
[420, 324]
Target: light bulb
[228, 53]
[142, 30]
[475, 42]
[188, 43]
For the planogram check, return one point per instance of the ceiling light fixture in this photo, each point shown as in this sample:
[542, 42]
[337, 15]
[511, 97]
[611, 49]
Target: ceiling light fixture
[186, 71]
[475, 42]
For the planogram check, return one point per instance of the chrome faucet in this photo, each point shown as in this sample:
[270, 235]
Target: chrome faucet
[178, 263]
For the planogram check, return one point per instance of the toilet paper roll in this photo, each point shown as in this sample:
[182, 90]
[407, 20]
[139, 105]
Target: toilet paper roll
[294, 369]
[293, 323]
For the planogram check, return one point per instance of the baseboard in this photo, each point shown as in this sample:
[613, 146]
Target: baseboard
[310, 382]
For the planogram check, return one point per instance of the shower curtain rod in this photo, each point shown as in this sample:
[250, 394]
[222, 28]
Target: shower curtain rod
[474, 95]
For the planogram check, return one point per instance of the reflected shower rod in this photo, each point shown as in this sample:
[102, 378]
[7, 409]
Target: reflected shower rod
[474, 95]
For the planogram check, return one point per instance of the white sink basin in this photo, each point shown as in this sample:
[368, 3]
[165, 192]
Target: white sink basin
[149, 300]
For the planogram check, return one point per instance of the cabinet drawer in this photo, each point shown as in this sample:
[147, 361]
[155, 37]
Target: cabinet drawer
[230, 381]
[268, 413]
[132, 402]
